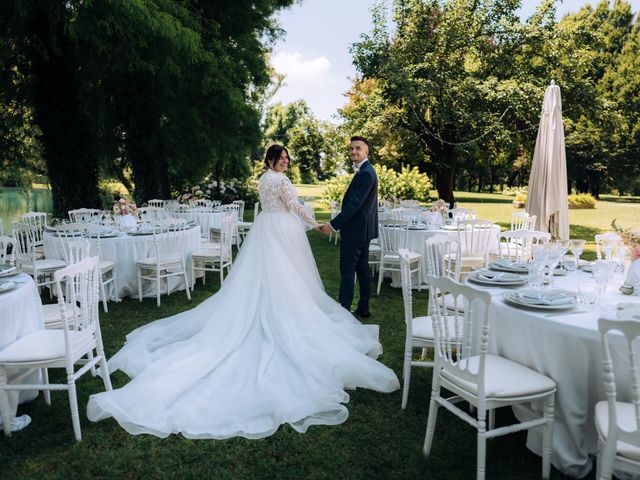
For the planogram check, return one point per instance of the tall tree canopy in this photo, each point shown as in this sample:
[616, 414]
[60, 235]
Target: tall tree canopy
[165, 88]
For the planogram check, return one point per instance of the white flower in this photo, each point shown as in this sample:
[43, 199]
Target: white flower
[208, 192]
[222, 189]
[199, 192]
[211, 185]
[214, 184]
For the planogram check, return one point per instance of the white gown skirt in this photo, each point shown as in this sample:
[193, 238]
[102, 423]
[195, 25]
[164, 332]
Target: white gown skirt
[271, 347]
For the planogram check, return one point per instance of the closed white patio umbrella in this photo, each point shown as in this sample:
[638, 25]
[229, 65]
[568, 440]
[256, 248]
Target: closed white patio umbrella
[547, 194]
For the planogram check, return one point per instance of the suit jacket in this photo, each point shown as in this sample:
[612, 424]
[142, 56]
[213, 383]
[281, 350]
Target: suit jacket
[358, 220]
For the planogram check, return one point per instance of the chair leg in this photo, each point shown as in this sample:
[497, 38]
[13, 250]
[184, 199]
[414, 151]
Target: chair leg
[547, 436]
[492, 419]
[73, 404]
[433, 416]
[482, 446]
[159, 286]
[406, 374]
[104, 371]
[186, 282]
[47, 393]
[114, 272]
[93, 368]
[139, 284]
[5, 408]
[104, 295]
[380, 272]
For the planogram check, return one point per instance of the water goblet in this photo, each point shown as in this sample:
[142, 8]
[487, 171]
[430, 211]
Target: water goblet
[602, 272]
[577, 247]
[535, 277]
[587, 294]
[608, 245]
[569, 263]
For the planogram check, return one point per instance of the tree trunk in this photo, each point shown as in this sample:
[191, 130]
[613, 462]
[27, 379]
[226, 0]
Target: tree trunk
[67, 136]
[444, 183]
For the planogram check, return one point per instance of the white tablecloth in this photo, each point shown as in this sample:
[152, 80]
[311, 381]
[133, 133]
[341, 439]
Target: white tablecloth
[205, 220]
[566, 349]
[20, 314]
[125, 250]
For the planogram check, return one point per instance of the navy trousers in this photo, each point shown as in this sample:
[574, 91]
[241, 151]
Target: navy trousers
[354, 260]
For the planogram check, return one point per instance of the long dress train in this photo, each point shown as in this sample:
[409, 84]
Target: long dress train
[270, 347]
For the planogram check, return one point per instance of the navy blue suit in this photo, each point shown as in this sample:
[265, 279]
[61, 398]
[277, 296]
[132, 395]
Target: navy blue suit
[358, 225]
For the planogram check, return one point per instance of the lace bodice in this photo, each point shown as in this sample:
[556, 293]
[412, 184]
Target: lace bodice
[277, 194]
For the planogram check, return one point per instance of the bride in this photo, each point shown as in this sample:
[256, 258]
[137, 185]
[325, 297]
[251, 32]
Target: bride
[270, 347]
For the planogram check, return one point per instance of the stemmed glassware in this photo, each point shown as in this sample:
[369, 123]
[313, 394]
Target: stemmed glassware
[577, 247]
[603, 270]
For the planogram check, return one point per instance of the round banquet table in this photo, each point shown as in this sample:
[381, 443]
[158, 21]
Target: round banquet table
[20, 314]
[416, 243]
[567, 349]
[125, 250]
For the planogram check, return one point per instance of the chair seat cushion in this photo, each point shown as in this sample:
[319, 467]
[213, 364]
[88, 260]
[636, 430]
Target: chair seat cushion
[106, 265]
[413, 256]
[503, 378]
[44, 345]
[373, 248]
[626, 420]
[47, 264]
[422, 328]
[245, 225]
[168, 259]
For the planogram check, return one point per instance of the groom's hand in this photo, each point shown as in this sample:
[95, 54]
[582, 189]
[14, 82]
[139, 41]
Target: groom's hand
[325, 228]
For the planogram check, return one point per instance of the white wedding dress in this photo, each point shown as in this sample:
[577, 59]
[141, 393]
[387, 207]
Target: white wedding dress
[271, 347]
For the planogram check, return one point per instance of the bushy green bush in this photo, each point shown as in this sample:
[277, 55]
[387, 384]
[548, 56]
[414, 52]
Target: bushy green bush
[520, 200]
[582, 200]
[409, 184]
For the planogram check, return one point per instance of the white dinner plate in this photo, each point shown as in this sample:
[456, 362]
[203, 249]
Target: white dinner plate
[507, 268]
[8, 271]
[449, 227]
[6, 286]
[516, 298]
[508, 279]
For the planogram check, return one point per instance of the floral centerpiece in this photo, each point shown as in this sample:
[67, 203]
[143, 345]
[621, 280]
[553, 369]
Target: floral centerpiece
[125, 207]
[125, 213]
[441, 207]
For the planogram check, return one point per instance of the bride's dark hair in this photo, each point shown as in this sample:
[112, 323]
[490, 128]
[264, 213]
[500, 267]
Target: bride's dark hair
[273, 155]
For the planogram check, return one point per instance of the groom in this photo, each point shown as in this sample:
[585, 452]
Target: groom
[358, 225]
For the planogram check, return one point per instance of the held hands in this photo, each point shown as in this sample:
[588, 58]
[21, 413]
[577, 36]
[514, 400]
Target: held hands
[324, 228]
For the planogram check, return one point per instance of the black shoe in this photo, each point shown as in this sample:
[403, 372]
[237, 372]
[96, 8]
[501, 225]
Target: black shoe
[362, 314]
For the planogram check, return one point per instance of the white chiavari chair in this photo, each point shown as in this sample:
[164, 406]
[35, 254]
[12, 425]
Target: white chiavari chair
[27, 260]
[393, 237]
[39, 221]
[464, 368]
[243, 227]
[334, 211]
[518, 245]
[64, 348]
[519, 220]
[617, 421]
[603, 240]
[234, 209]
[473, 242]
[156, 203]
[152, 214]
[168, 259]
[215, 256]
[6, 244]
[85, 215]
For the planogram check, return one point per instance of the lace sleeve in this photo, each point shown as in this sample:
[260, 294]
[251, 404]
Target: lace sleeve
[289, 196]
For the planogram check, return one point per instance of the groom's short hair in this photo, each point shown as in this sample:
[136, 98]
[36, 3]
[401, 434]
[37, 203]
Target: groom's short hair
[357, 138]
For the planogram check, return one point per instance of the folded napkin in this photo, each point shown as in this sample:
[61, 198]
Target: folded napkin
[497, 276]
[503, 262]
[544, 298]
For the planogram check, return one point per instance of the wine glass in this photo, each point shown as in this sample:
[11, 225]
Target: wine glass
[577, 247]
[535, 277]
[602, 272]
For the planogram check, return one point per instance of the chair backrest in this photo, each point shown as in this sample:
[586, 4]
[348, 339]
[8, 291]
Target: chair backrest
[227, 228]
[474, 236]
[530, 223]
[5, 241]
[393, 237]
[256, 210]
[233, 208]
[334, 209]
[518, 245]
[216, 203]
[458, 214]
[79, 309]
[602, 238]
[461, 330]
[151, 214]
[441, 253]
[156, 203]
[168, 237]
[85, 215]
[68, 233]
[24, 242]
[37, 220]
[202, 202]
[519, 220]
[240, 204]
[630, 330]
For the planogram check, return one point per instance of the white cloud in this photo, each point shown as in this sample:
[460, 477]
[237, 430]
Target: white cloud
[298, 69]
[311, 79]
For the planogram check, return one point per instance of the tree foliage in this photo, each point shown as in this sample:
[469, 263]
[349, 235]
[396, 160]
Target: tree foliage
[164, 89]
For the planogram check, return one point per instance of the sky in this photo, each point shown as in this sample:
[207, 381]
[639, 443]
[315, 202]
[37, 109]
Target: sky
[314, 53]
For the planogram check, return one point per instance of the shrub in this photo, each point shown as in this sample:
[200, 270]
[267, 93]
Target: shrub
[581, 200]
[520, 201]
[409, 184]
[514, 191]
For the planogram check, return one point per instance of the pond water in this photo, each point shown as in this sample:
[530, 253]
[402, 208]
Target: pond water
[13, 203]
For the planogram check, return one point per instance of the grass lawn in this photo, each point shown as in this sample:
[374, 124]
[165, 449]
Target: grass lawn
[378, 441]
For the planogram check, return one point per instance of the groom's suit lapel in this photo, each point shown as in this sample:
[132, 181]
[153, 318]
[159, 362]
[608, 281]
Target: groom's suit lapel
[346, 194]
